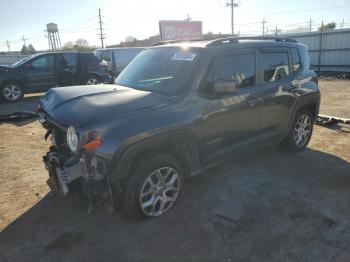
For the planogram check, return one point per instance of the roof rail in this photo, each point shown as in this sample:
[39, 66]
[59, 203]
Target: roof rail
[176, 41]
[233, 40]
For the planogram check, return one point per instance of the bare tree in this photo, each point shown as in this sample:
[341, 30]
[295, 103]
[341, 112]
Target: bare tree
[68, 46]
[328, 27]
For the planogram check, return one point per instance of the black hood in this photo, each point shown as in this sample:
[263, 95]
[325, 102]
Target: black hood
[81, 105]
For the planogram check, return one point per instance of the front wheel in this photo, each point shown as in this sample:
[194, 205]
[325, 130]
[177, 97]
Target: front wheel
[301, 130]
[11, 92]
[153, 187]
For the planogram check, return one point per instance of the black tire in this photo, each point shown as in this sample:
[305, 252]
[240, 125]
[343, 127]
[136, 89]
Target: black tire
[291, 142]
[93, 80]
[139, 177]
[11, 92]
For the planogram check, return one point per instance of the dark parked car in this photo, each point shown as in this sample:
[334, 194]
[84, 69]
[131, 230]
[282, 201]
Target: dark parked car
[178, 109]
[38, 73]
[118, 58]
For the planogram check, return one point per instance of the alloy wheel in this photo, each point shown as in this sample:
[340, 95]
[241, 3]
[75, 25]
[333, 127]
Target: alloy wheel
[159, 191]
[12, 92]
[92, 81]
[302, 130]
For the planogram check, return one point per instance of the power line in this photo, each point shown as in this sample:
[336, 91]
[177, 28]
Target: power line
[79, 24]
[303, 10]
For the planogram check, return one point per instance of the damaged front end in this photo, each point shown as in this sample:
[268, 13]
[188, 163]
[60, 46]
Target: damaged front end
[68, 171]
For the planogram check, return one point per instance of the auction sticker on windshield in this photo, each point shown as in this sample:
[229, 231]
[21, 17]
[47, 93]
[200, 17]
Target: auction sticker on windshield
[184, 56]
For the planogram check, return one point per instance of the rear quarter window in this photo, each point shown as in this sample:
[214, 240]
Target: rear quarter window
[305, 59]
[295, 58]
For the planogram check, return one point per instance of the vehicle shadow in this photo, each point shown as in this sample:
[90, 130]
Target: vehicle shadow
[28, 103]
[344, 128]
[7, 110]
[264, 206]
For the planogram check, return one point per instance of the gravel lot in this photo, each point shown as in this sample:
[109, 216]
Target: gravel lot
[265, 206]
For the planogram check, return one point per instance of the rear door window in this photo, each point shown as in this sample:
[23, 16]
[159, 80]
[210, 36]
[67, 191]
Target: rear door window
[69, 59]
[275, 66]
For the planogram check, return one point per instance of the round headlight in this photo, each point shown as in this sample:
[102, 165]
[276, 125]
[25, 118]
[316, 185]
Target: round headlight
[72, 139]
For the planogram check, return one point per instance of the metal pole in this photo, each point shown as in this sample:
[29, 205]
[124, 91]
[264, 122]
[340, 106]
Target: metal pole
[320, 49]
[263, 24]
[232, 25]
[310, 25]
[101, 34]
[8, 45]
[232, 5]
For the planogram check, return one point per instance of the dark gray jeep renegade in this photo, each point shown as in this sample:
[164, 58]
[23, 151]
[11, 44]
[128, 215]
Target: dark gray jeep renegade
[177, 109]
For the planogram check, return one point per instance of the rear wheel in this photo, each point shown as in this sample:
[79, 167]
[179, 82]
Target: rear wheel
[153, 187]
[11, 92]
[300, 132]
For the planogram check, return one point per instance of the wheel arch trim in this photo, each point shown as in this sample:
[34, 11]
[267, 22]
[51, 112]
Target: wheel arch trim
[183, 146]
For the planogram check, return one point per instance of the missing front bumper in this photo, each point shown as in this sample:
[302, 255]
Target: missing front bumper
[88, 169]
[60, 175]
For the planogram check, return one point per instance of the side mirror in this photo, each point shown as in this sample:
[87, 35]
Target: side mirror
[225, 86]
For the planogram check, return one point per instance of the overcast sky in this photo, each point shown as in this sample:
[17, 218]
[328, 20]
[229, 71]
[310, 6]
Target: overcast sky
[139, 18]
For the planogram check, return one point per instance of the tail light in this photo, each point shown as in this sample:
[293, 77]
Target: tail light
[315, 79]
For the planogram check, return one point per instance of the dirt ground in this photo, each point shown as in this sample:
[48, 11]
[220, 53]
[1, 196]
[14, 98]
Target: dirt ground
[264, 206]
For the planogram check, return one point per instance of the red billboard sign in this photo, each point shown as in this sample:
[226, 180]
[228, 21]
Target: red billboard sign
[180, 30]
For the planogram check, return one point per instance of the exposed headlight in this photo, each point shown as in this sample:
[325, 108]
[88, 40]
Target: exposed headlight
[72, 139]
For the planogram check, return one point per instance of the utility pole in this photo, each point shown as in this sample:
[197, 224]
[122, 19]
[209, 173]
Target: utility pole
[232, 5]
[8, 45]
[101, 30]
[276, 31]
[310, 25]
[320, 48]
[24, 40]
[263, 25]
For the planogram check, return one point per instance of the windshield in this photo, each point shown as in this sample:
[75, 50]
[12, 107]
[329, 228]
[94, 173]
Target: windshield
[20, 62]
[163, 70]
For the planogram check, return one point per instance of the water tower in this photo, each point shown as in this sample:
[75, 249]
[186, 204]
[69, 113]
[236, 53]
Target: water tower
[53, 36]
